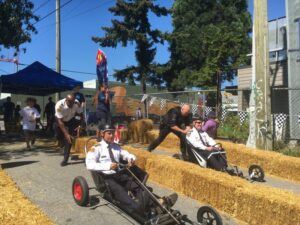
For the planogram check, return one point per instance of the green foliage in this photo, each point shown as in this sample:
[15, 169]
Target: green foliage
[284, 148]
[16, 26]
[135, 27]
[209, 36]
[232, 129]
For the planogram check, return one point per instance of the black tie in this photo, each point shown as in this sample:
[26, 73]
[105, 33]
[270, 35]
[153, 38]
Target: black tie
[111, 155]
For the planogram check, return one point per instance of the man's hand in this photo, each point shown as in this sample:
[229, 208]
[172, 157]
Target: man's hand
[131, 163]
[186, 130]
[69, 138]
[113, 166]
[210, 148]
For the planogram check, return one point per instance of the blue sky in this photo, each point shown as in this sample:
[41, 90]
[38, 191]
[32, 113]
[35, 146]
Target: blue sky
[80, 21]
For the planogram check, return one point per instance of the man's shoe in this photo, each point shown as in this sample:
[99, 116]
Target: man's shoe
[170, 200]
[63, 163]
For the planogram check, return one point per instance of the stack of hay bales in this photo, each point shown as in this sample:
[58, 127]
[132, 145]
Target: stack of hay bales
[252, 203]
[137, 130]
[273, 163]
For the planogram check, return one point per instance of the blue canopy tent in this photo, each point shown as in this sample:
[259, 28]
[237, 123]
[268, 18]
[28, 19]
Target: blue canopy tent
[36, 79]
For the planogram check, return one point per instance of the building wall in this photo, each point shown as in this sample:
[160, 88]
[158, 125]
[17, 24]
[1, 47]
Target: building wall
[278, 78]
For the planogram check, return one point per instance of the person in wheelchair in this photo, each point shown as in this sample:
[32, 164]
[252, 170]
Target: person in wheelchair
[105, 158]
[203, 149]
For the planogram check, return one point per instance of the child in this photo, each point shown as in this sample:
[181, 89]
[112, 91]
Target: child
[29, 116]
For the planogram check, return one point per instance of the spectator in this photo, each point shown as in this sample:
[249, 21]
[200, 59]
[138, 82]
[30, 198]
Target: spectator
[173, 122]
[68, 114]
[211, 125]
[138, 113]
[17, 113]
[36, 105]
[50, 113]
[8, 111]
[29, 116]
[79, 96]
[102, 101]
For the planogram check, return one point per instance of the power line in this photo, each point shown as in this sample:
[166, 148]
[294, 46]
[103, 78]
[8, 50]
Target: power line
[70, 71]
[52, 12]
[79, 14]
[42, 5]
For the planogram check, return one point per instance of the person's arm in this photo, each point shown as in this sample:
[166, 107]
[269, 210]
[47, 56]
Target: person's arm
[62, 127]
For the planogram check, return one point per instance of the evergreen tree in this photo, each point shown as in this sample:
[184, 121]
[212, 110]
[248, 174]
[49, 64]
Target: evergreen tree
[135, 27]
[16, 23]
[210, 37]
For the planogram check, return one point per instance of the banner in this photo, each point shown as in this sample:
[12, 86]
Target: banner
[145, 96]
[101, 68]
[152, 100]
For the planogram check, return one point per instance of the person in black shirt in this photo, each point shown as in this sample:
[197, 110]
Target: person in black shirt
[8, 111]
[50, 112]
[178, 121]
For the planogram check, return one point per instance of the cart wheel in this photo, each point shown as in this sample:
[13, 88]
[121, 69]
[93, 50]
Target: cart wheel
[80, 191]
[208, 215]
[256, 173]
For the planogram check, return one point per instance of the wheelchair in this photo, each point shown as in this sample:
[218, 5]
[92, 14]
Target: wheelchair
[255, 172]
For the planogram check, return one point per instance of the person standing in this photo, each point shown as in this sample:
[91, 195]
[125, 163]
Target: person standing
[50, 114]
[8, 111]
[102, 101]
[68, 115]
[211, 125]
[29, 116]
[178, 121]
[79, 96]
[138, 113]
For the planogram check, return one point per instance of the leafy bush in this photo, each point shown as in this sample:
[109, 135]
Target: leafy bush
[231, 128]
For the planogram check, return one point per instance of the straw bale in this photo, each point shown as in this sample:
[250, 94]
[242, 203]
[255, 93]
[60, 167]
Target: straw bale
[273, 163]
[79, 145]
[15, 208]
[137, 130]
[252, 203]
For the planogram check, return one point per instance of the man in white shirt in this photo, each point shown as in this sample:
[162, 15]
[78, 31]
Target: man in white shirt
[105, 158]
[68, 115]
[204, 145]
[29, 116]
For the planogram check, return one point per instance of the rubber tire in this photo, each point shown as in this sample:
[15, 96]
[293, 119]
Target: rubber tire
[262, 173]
[207, 209]
[84, 200]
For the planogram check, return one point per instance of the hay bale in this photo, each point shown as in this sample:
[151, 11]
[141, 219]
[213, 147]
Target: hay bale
[137, 130]
[15, 208]
[252, 203]
[79, 145]
[273, 163]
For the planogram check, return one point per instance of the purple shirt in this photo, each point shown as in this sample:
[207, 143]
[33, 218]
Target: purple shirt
[210, 127]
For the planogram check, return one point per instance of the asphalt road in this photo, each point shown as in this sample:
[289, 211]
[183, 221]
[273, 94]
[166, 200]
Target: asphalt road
[39, 176]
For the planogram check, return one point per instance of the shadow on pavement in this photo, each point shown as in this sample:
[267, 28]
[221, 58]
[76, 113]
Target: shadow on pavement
[16, 164]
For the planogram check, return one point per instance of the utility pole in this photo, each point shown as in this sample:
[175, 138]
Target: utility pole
[58, 59]
[261, 87]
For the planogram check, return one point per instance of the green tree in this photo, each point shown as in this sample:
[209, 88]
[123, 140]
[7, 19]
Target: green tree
[210, 37]
[135, 28]
[16, 23]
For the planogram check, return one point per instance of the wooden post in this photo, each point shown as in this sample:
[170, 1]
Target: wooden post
[262, 77]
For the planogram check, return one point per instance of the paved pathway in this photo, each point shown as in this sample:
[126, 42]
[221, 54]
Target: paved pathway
[40, 177]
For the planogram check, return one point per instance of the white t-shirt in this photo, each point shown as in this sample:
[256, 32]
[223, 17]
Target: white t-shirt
[29, 116]
[62, 111]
